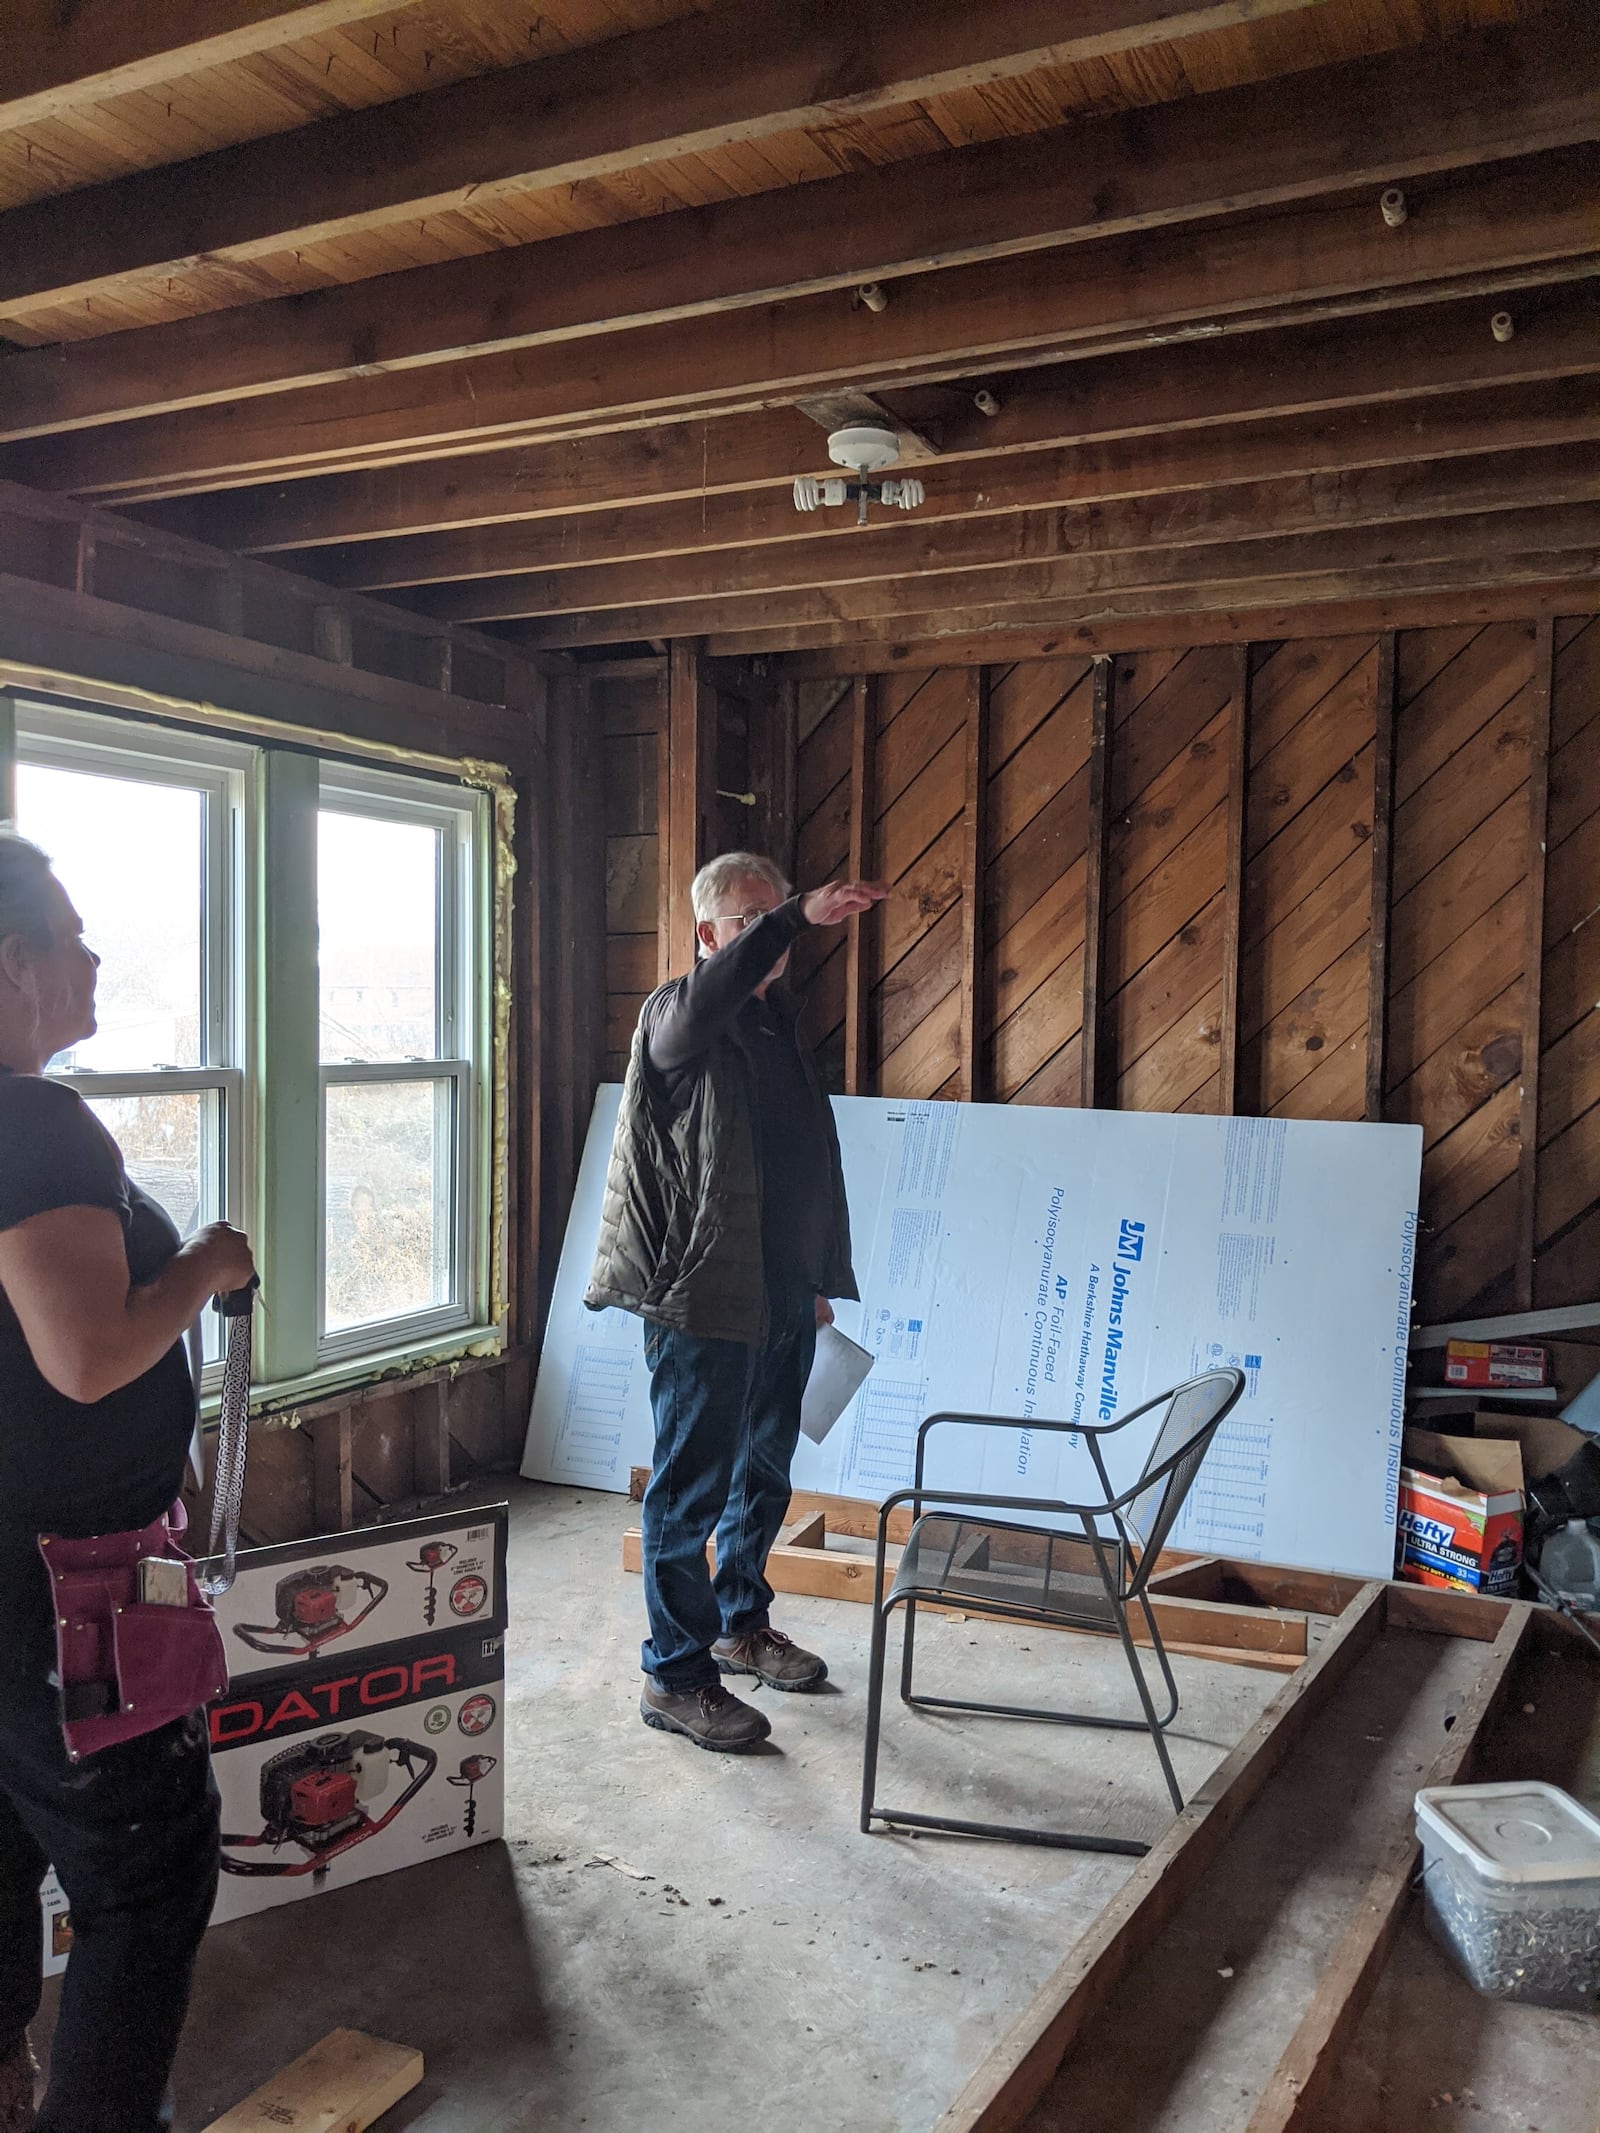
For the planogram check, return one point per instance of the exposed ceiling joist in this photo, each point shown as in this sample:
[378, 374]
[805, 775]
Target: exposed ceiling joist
[1440, 426]
[1528, 418]
[60, 58]
[1239, 511]
[1482, 231]
[1501, 94]
[1312, 609]
[1436, 349]
[907, 603]
[680, 459]
[752, 69]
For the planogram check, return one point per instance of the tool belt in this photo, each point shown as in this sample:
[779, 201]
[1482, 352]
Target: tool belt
[126, 1666]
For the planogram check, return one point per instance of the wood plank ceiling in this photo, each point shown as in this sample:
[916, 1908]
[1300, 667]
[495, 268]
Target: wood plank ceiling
[530, 317]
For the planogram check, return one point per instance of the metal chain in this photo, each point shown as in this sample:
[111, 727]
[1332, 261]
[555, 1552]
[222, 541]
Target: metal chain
[233, 1444]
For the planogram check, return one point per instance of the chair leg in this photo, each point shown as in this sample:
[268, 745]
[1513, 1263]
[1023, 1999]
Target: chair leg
[1160, 1650]
[906, 1652]
[1152, 1722]
[869, 1763]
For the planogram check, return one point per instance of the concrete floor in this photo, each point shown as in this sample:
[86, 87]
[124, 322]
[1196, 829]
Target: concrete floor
[767, 1956]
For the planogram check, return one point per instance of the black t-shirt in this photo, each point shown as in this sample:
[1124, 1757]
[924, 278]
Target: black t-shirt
[115, 1463]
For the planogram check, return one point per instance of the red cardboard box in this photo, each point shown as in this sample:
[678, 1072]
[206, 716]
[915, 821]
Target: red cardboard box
[1460, 1522]
[1494, 1363]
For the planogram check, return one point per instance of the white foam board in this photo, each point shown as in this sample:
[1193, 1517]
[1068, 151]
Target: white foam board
[1067, 1264]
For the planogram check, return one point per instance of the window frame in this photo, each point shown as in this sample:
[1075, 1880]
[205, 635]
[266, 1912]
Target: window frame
[264, 1019]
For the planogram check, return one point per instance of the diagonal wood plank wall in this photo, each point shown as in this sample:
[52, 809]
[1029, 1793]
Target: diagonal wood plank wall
[1296, 918]
[1319, 876]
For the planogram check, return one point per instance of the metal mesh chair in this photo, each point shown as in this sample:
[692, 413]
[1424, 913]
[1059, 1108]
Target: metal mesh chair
[1085, 1579]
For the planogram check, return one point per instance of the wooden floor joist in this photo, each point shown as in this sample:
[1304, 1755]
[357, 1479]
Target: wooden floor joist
[1295, 2088]
[1015, 2072]
[1250, 1614]
[1300, 2081]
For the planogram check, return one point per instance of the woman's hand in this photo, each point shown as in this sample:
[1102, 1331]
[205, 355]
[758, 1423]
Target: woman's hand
[824, 1313]
[840, 900]
[221, 1256]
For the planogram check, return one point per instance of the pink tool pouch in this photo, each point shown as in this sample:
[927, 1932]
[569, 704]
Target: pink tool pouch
[127, 1667]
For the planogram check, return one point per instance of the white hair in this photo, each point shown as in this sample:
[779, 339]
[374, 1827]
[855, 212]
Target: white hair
[711, 885]
[26, 905]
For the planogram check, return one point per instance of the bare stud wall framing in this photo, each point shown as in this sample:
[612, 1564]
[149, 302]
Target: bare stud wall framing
[1320, 877]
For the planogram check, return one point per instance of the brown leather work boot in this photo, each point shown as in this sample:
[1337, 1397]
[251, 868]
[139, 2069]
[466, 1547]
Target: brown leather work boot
[772, 1657]
[710, 1717]
[17, 2070]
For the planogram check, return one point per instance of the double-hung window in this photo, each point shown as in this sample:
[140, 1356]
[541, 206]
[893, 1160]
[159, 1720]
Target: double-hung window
[294, 1015]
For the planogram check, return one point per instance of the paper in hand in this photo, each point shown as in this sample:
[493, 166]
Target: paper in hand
[835, 1379]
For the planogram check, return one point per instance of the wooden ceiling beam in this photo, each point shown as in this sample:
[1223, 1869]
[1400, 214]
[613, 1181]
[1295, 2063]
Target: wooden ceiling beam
[60, 58]
[896, 548]
[1522, 418]
[1476, 232]
[590, 474]
[687, 472]
[845, 651]
[891, 603]
[695, 84]
[1477, 100]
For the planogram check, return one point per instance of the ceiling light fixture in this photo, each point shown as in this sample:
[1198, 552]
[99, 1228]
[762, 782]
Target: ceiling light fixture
[866, 452]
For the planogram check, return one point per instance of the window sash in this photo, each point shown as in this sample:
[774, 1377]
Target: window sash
[92, 744]
[393, 798]
[462, 1009]
[461, 1208]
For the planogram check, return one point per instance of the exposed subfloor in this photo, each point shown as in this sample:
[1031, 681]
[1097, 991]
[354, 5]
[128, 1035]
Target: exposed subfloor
[671, 1939]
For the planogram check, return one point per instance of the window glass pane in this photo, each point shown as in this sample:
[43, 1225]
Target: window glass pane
[172, 1146]
[390, 1173]
[378, 937]
[132, 857]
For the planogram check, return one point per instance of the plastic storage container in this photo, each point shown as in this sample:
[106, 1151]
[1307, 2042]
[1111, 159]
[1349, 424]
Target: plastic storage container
[1512, 1887]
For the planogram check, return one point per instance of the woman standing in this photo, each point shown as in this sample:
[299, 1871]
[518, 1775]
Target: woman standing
[96, 1411]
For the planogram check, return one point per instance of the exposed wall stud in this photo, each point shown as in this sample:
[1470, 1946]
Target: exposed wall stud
[863, 801]
[1094, 1078]
[1381, 874]
[1533, 964]
[1233, 894]
[974, 843]
[686, 790]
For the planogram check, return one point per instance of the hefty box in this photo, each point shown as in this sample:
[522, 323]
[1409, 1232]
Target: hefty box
[1494, 1365]
[1460, 1522]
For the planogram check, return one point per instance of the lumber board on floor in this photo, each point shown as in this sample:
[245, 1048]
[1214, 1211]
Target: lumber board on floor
[1015, 2073]
[342, 2085]
[1301, 2079]
[1276, 1638]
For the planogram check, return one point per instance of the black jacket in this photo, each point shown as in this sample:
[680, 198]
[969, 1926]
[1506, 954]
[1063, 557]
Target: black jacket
[680, 1226]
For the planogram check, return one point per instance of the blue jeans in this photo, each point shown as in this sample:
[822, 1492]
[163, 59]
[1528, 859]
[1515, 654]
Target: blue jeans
[727, 1422]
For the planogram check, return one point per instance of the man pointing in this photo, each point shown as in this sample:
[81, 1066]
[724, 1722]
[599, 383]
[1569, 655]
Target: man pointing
[725, 1229]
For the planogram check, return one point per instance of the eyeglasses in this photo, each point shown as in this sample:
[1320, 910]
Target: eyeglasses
[744, 918]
